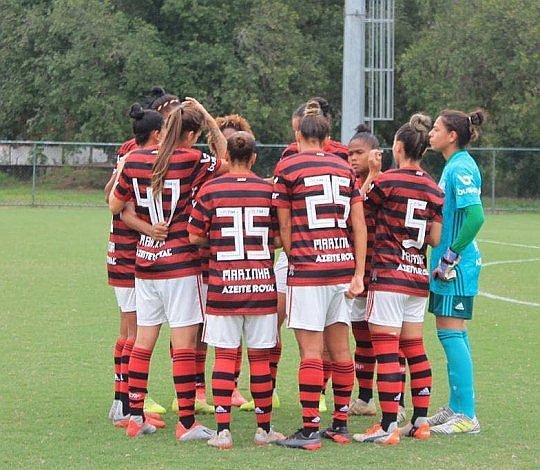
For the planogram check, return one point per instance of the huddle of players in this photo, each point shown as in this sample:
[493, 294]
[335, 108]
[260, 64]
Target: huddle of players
[355, 239]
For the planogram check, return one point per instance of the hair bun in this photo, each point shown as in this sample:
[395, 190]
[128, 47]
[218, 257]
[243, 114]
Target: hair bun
[477, 117]
[313, 108]
[323, 104]
[420, 122]
[136, 111]
[362, 128]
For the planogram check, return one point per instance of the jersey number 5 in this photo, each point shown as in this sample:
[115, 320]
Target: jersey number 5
[330, 195]
[244, 217]
[410, 221]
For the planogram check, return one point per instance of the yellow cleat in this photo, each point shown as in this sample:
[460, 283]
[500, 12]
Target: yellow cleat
[150, 406]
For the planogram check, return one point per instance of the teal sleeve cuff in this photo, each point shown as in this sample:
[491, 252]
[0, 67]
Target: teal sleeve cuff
[473, 221]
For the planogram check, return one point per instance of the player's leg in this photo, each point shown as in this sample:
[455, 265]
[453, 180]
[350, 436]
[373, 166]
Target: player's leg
[385, 316]
[460, 415]
[412, 345]
[260, 333]
[237, 398]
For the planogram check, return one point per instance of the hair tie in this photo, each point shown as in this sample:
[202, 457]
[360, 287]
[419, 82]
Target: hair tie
[470, 120]
[167, 103]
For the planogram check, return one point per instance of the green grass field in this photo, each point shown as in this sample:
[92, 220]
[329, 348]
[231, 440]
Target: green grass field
[59, 323]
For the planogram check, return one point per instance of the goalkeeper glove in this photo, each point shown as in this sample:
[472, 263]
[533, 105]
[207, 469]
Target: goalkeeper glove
[445, 269]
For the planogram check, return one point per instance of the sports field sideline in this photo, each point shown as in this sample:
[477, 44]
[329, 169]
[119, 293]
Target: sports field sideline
[59, 322]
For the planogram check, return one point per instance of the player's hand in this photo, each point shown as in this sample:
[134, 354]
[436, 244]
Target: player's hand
[199, 106]
[445, 269]
[356, 287]
[159, 231]
[375, 161]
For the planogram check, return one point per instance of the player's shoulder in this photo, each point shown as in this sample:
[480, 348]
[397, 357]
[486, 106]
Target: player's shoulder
[337, 148]
[126, 147]
[291, 149]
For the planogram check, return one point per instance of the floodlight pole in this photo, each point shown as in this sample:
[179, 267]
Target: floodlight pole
[353, 91]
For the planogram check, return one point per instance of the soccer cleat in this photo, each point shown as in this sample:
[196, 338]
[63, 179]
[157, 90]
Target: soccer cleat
[174, 405]
[359, 407]
[222, 440]
[322, 403]
[458, 424]
[276, 402]
[418, 430]
[401, 414]
[115, 405]
[263, 438]
[203, 408]
[378, 435]
[150, 406]
[248, 406]
[197, 432]
[339, 434]
[442, 415]
[137, 427]
[299, 441]
[237, 399]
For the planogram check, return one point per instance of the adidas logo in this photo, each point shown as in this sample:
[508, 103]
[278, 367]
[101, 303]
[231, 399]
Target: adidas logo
[317, 419]
[220, 409]
[344, 409]
[424, 392]
[258, 411]
[397, 397]
[118, 377]
[459, 307]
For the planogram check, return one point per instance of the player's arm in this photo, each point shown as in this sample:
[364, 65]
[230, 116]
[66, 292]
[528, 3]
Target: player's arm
[374, 163]
[434, 237]
[285, 227]
[198, 240]
[360, 247]
[108, 187]
[157, 231]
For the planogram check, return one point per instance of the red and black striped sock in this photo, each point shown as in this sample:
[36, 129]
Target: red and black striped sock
[327, 374]
[275, 356]
[223, 385]
[139, 365]
[403, 372]
[364, 360]
[386, 347]
[238, 365]
[124, 372]
[184, 384]
[342, 384]
[310, 379]
[420, 372]
[118, 348]
[261, 385]
[200, 366]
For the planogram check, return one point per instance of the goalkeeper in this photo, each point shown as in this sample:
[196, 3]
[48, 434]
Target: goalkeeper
[455, 266]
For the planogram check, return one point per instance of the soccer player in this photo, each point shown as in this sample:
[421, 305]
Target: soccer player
[329, 146]
[121, 271]
[408, 205]
[456, 265]
[167, 273]
[233, 214]
[320, 217]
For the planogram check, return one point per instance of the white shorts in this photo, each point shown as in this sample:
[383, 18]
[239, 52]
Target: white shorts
[393, 308]
[176, 301]
[125, 298]
[225, 331]
[204, 296]
[358, 312]
[315, 307]
[280, 270]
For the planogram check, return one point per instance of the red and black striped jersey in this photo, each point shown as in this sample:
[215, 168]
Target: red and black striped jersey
[330, 146]
[122, 240]
[406, 201]
[319, 189]
[188, 169]
[235, 212]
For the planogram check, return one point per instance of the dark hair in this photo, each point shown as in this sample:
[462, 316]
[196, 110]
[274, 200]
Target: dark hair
[363, 132]
[415, 136]
[187, 117]
[144, 122]
[162, 101]
[299, 112]
[314, 125]
[241, 146]
[231, 121]
[464, 125]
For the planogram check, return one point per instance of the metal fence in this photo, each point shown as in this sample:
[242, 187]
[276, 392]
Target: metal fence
[41, 173]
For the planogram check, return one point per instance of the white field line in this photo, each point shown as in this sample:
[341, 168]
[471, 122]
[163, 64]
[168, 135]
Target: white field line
[507, 299]
[518, 245]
